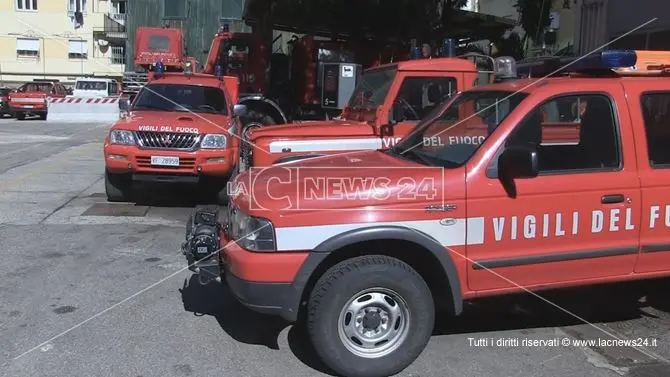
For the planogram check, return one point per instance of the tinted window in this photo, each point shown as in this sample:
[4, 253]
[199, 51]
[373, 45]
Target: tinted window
[656, 113]
[159, 43]
[36, 87]
[576, 132]
[372, 88]
[420, 95]
[177, 97]
[91, 85]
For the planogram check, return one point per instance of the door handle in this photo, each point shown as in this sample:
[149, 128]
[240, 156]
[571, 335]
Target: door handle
[611, 199]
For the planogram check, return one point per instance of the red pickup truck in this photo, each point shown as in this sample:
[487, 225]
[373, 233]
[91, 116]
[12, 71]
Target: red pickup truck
[440, 224]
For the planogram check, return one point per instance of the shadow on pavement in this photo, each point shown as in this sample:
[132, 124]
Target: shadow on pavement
[245, 325]
[565, 307]
[170, 195]
[599, 304]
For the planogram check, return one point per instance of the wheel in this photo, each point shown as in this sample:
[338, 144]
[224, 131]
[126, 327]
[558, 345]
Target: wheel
[20, 115]
[370, 316]
[117, 187]
[255, 117]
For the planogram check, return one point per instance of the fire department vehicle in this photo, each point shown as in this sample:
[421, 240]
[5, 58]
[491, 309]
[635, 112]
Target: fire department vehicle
[367, 245]
[301, 85]
[386, 105]
[152, 45]
[178, 129]
[32, 98]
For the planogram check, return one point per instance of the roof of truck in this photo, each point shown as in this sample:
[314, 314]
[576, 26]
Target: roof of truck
[433, 64]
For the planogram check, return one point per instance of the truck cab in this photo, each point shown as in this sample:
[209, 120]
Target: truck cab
[388, 102]
[368, 247]
[33, 98]
[95, 87]
[179, 129]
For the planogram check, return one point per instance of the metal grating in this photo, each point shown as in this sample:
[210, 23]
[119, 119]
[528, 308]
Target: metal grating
[167, 140]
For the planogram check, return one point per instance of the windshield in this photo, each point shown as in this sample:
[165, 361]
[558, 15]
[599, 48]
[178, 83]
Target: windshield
[158, 43]
[451, 136]
[91, 85]
[36, 87]
[179, 97]
[372, 88]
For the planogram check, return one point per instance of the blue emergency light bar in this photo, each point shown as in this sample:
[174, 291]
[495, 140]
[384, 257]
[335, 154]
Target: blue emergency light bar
[226, 28]
[415, 53]
[218, 70]
[606, 60]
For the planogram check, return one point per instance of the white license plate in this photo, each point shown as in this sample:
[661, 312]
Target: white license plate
[164, 161]
[28, 106]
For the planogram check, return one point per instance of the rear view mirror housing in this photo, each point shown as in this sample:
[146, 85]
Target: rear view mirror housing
[124, 104]
[518, 162]
[239, 110]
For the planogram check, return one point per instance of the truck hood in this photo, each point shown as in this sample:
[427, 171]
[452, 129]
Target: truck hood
[312, 129]
[356, 180]
[174, 121]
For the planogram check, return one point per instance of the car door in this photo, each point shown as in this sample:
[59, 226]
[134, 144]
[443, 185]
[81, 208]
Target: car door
[580, 217]
[650, 108]
[418, 94]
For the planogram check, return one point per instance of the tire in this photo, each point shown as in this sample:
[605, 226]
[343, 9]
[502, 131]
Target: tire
[378, 278]
[254, 116]
[118, 187]
[20, 115]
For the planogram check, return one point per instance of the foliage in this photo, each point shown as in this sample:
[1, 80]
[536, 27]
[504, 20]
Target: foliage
[510, 46]
[534, 17]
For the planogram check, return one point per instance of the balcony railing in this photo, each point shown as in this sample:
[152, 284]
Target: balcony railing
[118, 17]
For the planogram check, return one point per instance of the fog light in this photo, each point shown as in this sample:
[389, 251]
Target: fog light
[116, 157]
[199, 168]
[130, 166]
[216, 159]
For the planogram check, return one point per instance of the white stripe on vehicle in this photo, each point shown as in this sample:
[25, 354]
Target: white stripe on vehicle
[458, 232]
[324, 145]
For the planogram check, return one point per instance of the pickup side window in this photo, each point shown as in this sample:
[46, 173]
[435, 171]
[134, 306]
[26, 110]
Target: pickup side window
[572, 133]
[656, 113]
[418, 96]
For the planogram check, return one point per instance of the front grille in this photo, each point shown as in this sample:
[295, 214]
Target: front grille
[184, 163]
[167, 140]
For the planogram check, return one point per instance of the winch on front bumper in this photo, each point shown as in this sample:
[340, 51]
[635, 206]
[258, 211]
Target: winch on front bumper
[202, 245]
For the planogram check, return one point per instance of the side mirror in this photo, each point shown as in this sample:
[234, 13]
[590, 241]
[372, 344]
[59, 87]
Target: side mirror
[124, 104]
[518, 162]
[239, 110]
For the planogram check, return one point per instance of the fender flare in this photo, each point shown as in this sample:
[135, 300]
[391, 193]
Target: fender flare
[258, 98]
[385, 232]
[286, 159]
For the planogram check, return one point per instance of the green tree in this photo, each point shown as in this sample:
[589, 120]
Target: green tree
[534, 17]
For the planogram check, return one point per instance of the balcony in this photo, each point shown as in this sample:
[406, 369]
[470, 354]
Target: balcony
[112, 29]
[118, 17]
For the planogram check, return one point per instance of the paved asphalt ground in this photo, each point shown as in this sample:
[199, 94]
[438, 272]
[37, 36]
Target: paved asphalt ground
[67, 256]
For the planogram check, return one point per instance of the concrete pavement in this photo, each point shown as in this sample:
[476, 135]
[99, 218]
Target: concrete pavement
[68, 256]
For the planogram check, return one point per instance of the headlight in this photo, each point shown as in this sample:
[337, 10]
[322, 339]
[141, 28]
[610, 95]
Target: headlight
[213, 141]
[122, 137]
[251, 233]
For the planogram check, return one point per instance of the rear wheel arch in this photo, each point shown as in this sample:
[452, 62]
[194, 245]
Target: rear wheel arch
[419, 250]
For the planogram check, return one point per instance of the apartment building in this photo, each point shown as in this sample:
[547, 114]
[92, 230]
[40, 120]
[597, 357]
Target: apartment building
[61, 39]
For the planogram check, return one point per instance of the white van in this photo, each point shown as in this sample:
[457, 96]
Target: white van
[95, 87]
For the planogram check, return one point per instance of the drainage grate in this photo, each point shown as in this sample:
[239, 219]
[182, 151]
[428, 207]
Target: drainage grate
[109, 209]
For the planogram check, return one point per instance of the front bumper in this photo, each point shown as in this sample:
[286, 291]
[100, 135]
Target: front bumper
[267, 297]
[122, 159]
